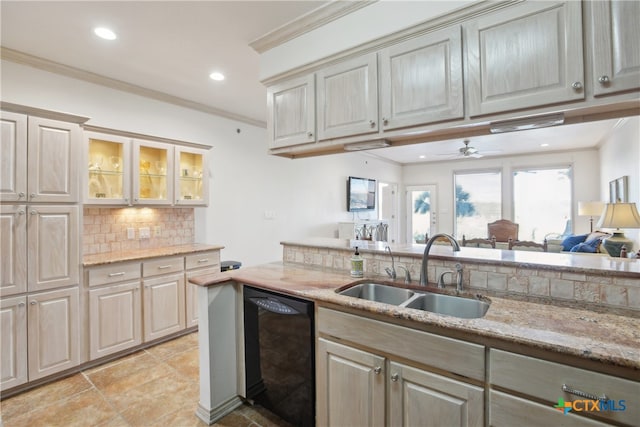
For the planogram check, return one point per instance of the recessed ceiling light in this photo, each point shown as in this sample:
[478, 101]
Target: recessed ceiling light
[216, 76]
[105, 33]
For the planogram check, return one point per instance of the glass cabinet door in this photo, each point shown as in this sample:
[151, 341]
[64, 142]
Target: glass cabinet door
[153, 167]
[191, 176]
[108, 169]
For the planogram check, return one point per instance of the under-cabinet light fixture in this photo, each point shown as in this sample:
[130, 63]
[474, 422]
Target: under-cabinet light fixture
[527, 123]
[105, 33]
[367, 145]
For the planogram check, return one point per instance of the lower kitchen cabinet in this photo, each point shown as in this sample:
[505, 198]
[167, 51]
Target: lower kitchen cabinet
[356, 385]
[197, 265]
[163, 305]
[350, 386]
[53, 332]
[115, 318]
[525, 382]
[450, 402]
[13, 342]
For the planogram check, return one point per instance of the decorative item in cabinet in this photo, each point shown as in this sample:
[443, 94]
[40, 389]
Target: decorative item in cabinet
[191, 184]
[153, 165]
[109, 169]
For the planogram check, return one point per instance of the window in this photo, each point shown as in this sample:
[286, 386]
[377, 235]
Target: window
[542, 202]
[478, 198]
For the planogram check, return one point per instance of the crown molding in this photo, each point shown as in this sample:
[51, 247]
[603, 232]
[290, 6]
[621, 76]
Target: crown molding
[307, 22]
[77, 73]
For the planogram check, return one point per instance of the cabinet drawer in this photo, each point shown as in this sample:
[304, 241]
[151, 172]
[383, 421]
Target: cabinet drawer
[544, 380]
[162, 266]
[444, 353]
[203, 259]
[506, 410]
[114, 273]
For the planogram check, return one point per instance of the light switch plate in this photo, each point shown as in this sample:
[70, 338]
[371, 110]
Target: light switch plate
[131, 233]
[145, 232]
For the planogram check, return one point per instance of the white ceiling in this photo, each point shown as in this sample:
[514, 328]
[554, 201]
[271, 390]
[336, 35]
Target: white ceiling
[171, 47]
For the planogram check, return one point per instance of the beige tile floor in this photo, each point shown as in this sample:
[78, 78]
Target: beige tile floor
[157, 386]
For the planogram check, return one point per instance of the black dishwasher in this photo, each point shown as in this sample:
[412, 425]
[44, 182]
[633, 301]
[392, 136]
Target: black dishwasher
[279, 354]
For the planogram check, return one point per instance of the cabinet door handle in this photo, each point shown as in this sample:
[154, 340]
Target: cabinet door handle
[579, 393]
[33, 302]
[385, 121]
[309, 134]
[603, 80]
[21, 195]
[32, 195]
[163, 267]
[395, 377]
[576, 86]
[120, 273]
[203, 260]
[21, 212]
[34, 212]
[377, 370]
[372, 123]
[21, 304]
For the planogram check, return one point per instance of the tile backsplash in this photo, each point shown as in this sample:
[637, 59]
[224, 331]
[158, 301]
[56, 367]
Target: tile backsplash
[105, 229]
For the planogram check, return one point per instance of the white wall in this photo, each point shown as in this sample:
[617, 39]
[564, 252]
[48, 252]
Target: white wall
[620, 156]
[586, 180]
[308, 195]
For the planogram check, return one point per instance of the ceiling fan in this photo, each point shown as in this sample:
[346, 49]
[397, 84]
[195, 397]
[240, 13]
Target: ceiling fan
[467, 151]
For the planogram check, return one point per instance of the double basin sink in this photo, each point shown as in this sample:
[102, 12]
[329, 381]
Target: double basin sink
[449, 305]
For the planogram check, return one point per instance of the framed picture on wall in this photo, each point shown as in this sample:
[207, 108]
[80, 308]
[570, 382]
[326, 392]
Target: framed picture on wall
[621, 190]
[618, 192]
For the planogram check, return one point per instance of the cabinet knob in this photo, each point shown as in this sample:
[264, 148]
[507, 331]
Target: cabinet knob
[576, 86]
[603, 80]
[33, 302]
[309, 134]
[34, 212]
[32, 195]
[21, 195]
[21, 212]
[377, 370]
[395, 377]
[372, 123]
[21, 304]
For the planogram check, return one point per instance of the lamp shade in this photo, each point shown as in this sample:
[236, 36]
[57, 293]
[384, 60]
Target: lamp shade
[620, 215]
[590, 208]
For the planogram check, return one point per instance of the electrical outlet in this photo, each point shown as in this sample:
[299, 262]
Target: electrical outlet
[157, 231]
[144, 232]
[131, 233]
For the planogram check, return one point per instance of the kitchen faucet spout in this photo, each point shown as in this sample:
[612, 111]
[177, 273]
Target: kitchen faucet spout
[425, 255]
[391, 272]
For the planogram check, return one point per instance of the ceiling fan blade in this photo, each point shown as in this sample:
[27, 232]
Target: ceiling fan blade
[475, 155]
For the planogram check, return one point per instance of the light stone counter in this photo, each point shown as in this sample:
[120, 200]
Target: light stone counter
[141, 254]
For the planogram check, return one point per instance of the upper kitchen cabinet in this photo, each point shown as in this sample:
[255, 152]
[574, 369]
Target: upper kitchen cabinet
[525, 56]
[615, 42]
[39, 159]
[421, 80]
[152, 172]
[109, 169]
[191, 183]
[348, 98]
[291, 107]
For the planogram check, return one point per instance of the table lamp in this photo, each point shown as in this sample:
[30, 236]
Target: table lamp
[590, 209]
[619, 215]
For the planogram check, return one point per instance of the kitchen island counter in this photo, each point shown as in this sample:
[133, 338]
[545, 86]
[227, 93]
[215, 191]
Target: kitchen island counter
[608, 339]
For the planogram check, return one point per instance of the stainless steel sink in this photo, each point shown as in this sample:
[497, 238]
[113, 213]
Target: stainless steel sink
[466, 308]
[379, 293]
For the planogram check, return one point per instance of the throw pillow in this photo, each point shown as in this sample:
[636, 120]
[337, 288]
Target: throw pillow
[570, 241]
[583, 247]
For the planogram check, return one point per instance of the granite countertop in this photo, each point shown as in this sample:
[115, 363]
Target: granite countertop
[591, 263]
[601, 337]
[141, 254]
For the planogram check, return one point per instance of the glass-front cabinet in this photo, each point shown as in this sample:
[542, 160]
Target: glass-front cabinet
[153, 169]
[109, 169]
[123, 170]
[190, 180]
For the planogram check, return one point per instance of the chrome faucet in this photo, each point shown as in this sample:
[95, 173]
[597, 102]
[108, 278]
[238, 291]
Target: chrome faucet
[458, 273]
[407, 274]
[391, 272]
[425, 256]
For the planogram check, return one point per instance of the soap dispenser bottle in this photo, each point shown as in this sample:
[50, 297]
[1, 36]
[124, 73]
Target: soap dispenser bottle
[357, 265]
